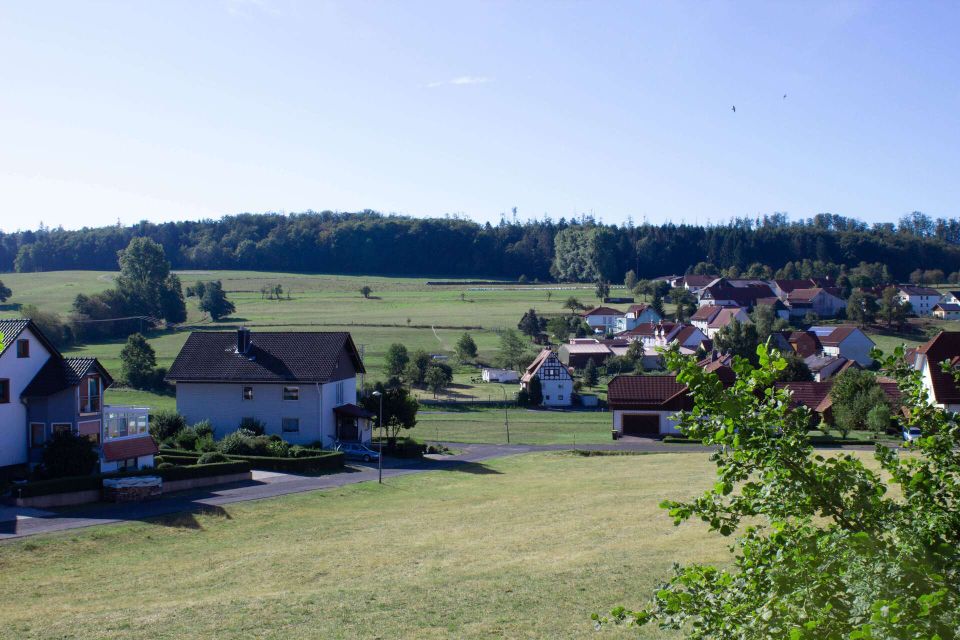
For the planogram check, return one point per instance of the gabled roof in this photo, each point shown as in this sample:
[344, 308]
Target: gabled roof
[274, 356]
[602, 311]
[947, 306]
[587, 347]
[832, 336]
[698, 281]
[648, 329]
[685, 332]
[658, 393]
[805, 295]
[804, 343]
[725, 317]
[59, 373]
[12, 328]
[538, 362]
[706, 313]
[813, 395]
[914, 290]
[954, 293]
[946, 346]
[742, 296]
[637, 309]
[774, 302]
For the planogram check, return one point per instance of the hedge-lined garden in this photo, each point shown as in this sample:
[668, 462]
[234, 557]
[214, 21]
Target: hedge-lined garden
[72, 484]
[306, 460]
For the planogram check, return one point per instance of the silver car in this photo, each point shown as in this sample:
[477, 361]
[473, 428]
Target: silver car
[358, 451]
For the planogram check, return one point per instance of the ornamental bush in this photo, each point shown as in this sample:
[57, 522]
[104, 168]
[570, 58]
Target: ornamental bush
[212, 457]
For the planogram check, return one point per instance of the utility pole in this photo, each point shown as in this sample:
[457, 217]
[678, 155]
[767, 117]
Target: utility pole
[506, 417]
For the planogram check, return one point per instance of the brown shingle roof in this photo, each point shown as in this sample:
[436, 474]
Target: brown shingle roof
[655, 393]
[129, 448]
[914, 290]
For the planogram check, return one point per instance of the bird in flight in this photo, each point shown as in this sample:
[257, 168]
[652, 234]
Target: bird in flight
[734, 108]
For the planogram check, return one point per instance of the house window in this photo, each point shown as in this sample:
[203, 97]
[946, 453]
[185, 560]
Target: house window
[23, 348]
[61, 427]
[339, 390]
[291, 393]
[4, 391]
[38, 434]
[291, 425]
[248, 393]
[90, 395]
[128, 464]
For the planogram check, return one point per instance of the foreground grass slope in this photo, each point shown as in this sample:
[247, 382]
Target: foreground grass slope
[525, 546]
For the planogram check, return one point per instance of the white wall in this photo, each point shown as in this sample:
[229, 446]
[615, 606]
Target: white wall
[224, 406]
[557, 393]
[857, 347]
[13, 415]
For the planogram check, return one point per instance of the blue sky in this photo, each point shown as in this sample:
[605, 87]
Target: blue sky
[182, 110]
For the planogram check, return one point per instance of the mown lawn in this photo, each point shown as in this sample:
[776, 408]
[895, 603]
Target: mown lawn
[458, 423]
[527, 546]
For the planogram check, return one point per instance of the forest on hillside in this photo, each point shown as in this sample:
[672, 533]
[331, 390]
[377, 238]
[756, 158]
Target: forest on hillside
[582, 249]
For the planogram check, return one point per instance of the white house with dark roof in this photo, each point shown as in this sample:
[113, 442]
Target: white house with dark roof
[946, 310]
[711, 319]
[602, 319]
[301, 385]
[556, 383]
[844, 340]
[43, 393]
[921, 299]
[637, 314]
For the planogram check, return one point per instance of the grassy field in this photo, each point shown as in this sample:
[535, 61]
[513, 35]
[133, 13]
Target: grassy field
[527, 546]
[527, 426]
[405, 310]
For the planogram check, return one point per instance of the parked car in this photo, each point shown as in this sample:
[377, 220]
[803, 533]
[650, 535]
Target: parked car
[357, 451]
[911, 434]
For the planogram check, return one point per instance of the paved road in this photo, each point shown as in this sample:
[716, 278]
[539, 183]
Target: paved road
[18, 522]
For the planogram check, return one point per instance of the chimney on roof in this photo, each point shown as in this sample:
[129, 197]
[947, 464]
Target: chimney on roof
[243, 340]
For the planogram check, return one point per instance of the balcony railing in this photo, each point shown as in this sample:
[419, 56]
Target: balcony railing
[123, 422]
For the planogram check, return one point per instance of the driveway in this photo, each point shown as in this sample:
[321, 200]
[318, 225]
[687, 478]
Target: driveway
[18, 522]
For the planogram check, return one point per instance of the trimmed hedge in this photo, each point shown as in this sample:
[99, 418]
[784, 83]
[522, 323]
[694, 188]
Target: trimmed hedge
[322, 460]
[203, 470]
[67, 484]
[329, 461]
[172, 459]
[95, 482]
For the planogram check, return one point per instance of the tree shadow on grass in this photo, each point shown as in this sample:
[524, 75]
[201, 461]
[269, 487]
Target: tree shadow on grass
[464, 466]
[188, 519]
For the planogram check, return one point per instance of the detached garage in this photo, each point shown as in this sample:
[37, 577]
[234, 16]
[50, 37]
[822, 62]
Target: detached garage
[644, 406]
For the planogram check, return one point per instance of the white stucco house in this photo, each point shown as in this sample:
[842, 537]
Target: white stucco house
[921, 299]
[844, 340]
[302, 385]
[602, 319]
[637, 314]
[556, 383]
[43, 393]
[928, 358]
[711, 319]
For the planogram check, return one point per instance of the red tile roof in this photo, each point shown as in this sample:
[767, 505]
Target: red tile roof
[130, 448]
[655, 393]
[946, 346]
[706, 314]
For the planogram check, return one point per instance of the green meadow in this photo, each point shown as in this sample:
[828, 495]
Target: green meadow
[519, 547]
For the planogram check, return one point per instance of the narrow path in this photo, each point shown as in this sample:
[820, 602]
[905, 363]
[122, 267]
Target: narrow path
[21, 522]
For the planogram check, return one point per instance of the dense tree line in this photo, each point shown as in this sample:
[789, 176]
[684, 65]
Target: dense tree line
[369, 242]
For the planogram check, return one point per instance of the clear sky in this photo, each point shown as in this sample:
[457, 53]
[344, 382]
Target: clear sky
[181, 110]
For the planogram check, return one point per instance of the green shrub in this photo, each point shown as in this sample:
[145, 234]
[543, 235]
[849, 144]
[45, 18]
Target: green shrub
[204, 470]
[205, 443]
[186, 439]
[253, 425]
[203, 428]
[165, 465]
[67, 454]
[278, 448]
[212, 457]
[166, 424]
[243, 443]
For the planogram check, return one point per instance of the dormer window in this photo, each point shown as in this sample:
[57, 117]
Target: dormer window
[23, 348]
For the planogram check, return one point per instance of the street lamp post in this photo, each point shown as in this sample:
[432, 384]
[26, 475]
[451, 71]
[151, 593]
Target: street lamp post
[380, 455]
[506, 418]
